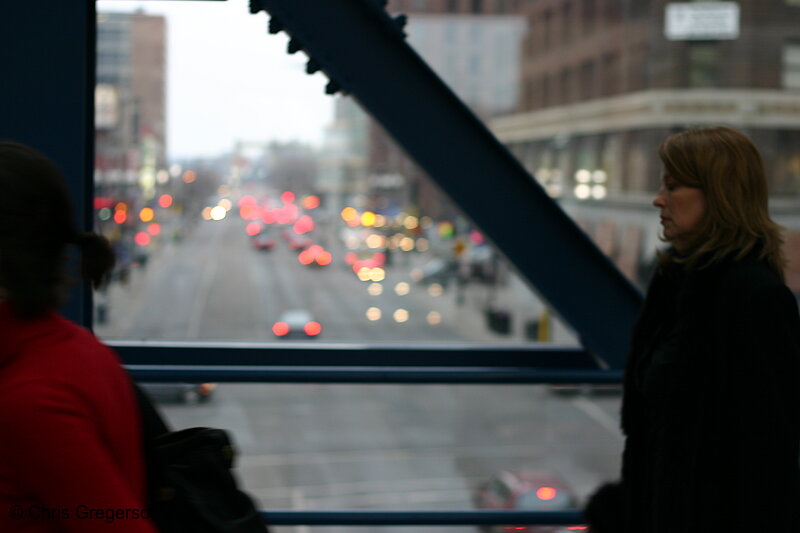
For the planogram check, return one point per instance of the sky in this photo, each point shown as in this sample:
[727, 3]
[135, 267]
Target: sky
[228, 79]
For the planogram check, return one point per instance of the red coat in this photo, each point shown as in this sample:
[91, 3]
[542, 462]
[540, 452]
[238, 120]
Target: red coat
[70, 444]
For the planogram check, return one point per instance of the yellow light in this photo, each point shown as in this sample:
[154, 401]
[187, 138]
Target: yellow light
[380, 221]
[435, 290]
[206, 214]
[146, 214]
[400, 316]
[377, 274]
[376, 241]
[364, 273]
[348, 214]
[218, 213]
[434, 318]
[367, 218]
[226, 204]
[402, 288]
[373, 314]
[375, 289]
[407, 244]
[411, 222]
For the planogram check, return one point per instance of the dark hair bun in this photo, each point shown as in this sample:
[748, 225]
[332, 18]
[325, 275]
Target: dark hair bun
[97, 257]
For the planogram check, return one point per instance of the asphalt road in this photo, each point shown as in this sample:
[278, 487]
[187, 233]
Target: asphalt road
[395, 447]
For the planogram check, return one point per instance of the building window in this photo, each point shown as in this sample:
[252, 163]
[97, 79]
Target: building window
[791, 65]
[587, 80]
[547, 29]
[704, 64]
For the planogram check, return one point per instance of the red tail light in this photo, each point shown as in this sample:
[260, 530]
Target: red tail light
[546, 493]
[280, 329]
[312, 328]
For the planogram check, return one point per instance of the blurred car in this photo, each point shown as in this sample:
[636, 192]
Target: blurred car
[262, 242]
[296, 324]
[526, 491]
[438, 270]
[298, 242]
[180, 392]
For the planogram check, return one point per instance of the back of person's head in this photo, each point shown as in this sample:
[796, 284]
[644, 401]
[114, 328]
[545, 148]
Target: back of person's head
[36, 227]
[727, 167]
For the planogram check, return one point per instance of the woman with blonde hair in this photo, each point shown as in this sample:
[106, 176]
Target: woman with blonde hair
[711, 403]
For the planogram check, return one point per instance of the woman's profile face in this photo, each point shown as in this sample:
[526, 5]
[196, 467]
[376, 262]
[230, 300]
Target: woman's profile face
[681, 208]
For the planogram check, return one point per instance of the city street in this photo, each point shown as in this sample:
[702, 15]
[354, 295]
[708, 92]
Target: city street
[400, 447]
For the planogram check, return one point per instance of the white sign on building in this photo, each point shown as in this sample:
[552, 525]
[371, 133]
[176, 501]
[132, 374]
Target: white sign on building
[701, 21]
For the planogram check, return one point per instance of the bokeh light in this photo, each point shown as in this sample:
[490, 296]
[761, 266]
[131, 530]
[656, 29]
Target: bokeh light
[218, 213]
[373, 314]
[400, 316]
[402, 288]
[375, 289]
[142, 238]
[146, 214]
[434, 318]
[435, 290]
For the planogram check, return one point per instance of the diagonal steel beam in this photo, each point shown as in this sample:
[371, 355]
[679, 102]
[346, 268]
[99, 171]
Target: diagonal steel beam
[363, 52]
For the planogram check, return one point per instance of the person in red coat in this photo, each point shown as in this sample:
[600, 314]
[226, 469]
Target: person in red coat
[71, 457]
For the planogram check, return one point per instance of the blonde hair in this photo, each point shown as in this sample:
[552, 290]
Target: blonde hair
[727, 167]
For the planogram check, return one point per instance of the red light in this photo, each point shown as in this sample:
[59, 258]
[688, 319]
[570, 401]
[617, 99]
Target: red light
[312, 328]
[324, 258]
[247, 200]
[120, 216]
[303, 225]
[546, 493]
[142, 238]
[253, 228]
[165, 200]
[101, 202]
[577, 528]
[287, 197]
[311, 202]
[350, 258]
[154, 228]
[280, 329]
[305, 257]
[249, 212]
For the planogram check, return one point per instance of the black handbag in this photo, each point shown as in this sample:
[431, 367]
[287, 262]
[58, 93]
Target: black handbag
[191, 488]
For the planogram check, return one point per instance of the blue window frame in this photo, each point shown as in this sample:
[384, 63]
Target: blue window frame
[49, 57]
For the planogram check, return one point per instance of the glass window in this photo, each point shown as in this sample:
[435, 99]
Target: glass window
[791, 65]
[704, 63]
[246, 205]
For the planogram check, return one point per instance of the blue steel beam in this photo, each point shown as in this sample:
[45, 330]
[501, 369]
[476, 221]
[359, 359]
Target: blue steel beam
[363, 52]
[47, 99]
[531, 356]
[421, 518]
[450, 375]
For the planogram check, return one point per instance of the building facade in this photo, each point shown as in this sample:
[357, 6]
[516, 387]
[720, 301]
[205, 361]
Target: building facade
[603, 82]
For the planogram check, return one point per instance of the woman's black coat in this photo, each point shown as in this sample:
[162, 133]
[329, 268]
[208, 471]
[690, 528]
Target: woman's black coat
[711, 407]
